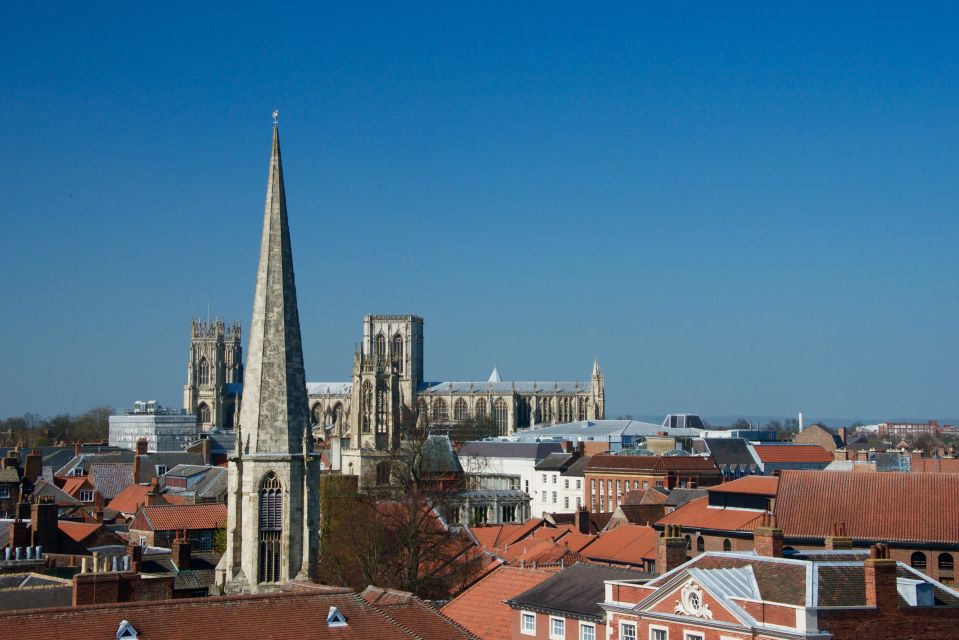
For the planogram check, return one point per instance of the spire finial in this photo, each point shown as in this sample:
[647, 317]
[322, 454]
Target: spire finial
[276, 116]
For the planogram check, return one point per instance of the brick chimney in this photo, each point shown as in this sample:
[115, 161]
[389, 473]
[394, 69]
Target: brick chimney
[567, 446]
[19, 536]
[141, 448]
[581, 520]
[43, 524]
[98, 506]
[880, 572]
[153, 495]
[77, 448]
[670, 548]
[33, 467]
[136, 468]
[768, 538]
[842, 435]
[135, 552]
[181, 552]
[837, 538]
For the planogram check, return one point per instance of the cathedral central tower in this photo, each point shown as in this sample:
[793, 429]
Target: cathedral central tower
[272, 501]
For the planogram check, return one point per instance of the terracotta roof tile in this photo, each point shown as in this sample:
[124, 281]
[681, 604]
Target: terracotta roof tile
[481, 608]
[73, 484]
[751, 485]
[882, 506]
[697, 514]
[610, 462]
[279, 616]
[174, 517]
[792, 453]
[78, 531]
[130, 499]
[630, 544]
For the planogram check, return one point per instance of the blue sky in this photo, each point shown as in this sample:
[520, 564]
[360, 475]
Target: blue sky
[749, 211]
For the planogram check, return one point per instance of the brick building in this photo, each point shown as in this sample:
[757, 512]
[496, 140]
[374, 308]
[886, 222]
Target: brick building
[735, 596]
[776, 458]
[159, 525]
[608, 478]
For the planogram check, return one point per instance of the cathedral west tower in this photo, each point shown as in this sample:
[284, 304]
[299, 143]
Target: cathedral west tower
[272, 499]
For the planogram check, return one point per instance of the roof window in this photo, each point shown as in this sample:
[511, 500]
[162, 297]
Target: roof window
[126, 631]
[335, 618]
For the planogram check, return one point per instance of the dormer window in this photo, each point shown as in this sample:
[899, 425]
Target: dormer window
[126, 631]
[86, 496]
[161, 470]
[77, 471]
[335, 618]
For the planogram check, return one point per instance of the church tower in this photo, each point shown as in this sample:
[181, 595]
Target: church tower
[272, 495]
[598, 392]
[214, 373]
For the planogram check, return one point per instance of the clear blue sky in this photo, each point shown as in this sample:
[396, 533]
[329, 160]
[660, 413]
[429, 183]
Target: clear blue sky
[738, 212]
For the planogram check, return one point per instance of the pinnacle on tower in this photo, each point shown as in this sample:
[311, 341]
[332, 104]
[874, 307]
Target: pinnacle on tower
[274, 411]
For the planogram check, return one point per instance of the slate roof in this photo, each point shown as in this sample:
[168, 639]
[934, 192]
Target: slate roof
[603, 430]
[554, 462]
[491, 449]
[679, 497]
[168, 459]
[481, 609]
[48, 489]
[200, 575]
[9, 474]
[33, 591]
[329, 388]
[291, 615]
[170, 517]
[574, 592]
[730, 451]
[467, 387]
[609, 462]
[576, 469]
[86, 458]
[897, 507]
[110, 478]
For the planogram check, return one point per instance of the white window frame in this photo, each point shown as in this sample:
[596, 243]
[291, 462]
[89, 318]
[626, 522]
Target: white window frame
[522, 623]
[693, 635]
[653, 629]
[555, 636]
[587, 625]
[622, 628]
[89, 493]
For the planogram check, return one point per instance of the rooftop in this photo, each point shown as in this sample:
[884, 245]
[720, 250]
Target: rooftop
[773, 453]
[481, 609]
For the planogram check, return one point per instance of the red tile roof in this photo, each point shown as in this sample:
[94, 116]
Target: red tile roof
[751, 485]
[130, 499]
[180, 517]
[73, 484]
[495, 536]
[890, 506]
[697, 514]
[277, 616]
[792, 453]
[628, 544]
[481, 610]
[78, 531]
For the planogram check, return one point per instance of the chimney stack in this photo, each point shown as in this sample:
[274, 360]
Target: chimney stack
[581, 520]
[768, 538]
[33, 468]
[77, 448]
[153, 495]
[43, 524]
[135, 552]
[182, 552]
[141, 449]
[881, 585]
[670, 548]
[837, 538]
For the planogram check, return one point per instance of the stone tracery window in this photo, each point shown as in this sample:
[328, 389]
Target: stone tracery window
[565, 409]
[367, 405]
[203, 372]
[461, 410]
[479, 411]
[583, 409]
[501, 415]
[440, 413]
[398, 350]
[380, 346]
[316, 413]
[545, 409]
[422, 411]
[271, 528]
[203, 413]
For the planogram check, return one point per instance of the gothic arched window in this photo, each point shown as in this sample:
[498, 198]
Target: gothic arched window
[271, 528]
[479, 411]
[382, 407]
[383, 472]
[565, 409]
[422, 411]
[398, 350]
[545, 409]
[316, 413]
[946, 562]
[203, 413]
[583, 409]
[380, 350]
[440, 413]
[727, 545]
[367, 405]
[501, 415]
[203, 372]
[461, 410]
[338, 414]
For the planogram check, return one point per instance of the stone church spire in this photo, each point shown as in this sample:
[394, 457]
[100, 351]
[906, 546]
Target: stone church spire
[272, 498]
[274, 411]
